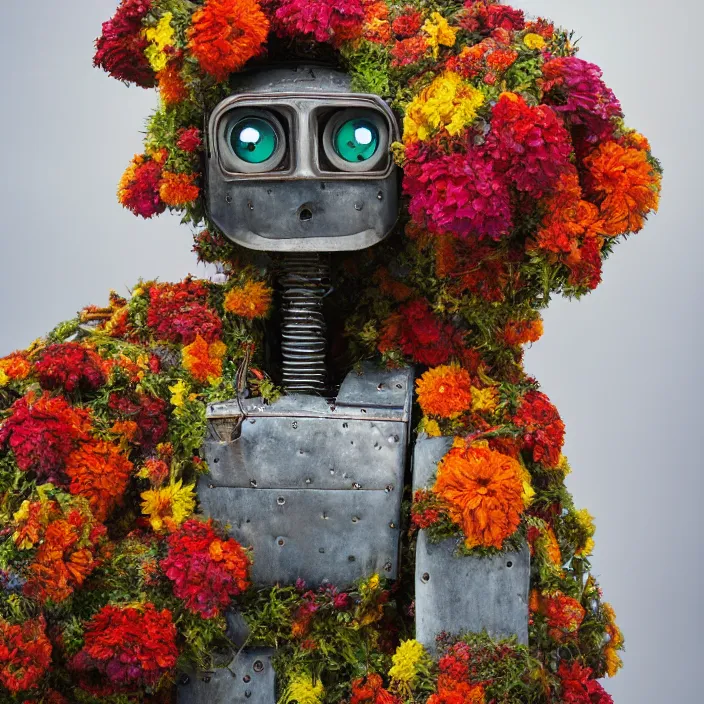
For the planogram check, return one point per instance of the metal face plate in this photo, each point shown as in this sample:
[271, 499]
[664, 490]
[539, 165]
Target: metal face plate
[427, 452]
[470, 594]
[249, 679]
[310, 453]
[314, 535]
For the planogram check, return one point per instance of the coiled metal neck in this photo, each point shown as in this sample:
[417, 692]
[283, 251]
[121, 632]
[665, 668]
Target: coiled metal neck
[305, 282]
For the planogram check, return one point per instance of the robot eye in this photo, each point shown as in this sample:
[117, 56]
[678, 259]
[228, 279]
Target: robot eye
[255, 141]
[356, 139]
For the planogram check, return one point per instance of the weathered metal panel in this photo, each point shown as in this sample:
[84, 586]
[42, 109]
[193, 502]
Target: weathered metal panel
[249, 678]
[311, 534]
[470, 594]
[464, 594]
[310, 453]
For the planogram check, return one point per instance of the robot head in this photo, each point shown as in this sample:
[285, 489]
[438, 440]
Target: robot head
[296, 162]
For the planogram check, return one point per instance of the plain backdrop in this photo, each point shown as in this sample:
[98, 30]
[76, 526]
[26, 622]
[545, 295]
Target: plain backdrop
[622, 365]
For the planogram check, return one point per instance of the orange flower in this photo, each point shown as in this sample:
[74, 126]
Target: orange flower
[204, 361]
[100, 472]
[483, 490]
[445, 391]
[450, 691]
[521, 332]
[15, 366]
[251, 300]
[564, 615]
[225, 34]
[178, 189]
[445, 257]
[171, 86]
[628, 183]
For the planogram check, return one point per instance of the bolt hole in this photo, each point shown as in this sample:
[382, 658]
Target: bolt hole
[281, 541]
[246, 678]
[509, 564]
[351, 558]
[281, 501]
[258, 666]
[306, 214]
[425, 577]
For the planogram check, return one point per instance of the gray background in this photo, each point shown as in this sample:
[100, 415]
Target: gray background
[622, 365]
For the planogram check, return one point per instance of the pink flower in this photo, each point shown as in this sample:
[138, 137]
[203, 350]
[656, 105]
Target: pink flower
[326, 20]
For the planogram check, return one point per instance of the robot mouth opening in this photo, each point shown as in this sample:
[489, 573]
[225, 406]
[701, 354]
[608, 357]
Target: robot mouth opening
[305, 214]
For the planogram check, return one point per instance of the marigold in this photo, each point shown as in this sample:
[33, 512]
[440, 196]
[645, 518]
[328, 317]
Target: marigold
[14, 367]
[25, 654]
[445, 391]
[250, 300]
[169, 506]
[99, 471]
[172, 89]
[408, 655]
[613, 661]
[628, 184]
[225, 34]
[448, 103]
[564, 615]
[204, 361]
[178, 189]
[521, 332]
[483, 490]
[451, 691]
[439, 33]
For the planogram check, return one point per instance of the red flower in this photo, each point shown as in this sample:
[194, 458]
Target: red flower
[120, 48]
[579, 688]
[543, 429]
[408, 51]
[149, 412]
[189, 139]
[504, 17]
[408, 23]
[370, 690]
[131, 646]
[70, 366]
[180, 312]
[584, 263]
[138, 190]
[326, 20]
[25, 654]
[206, 570]
[42, 433]
[419, 334]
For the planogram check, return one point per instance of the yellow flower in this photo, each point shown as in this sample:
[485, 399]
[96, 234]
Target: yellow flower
[170, 506]
[159, 37]
[178, 393]
[586, 522]
[447, 103]
[613, 661]
[139, 291]
[430, 428]
[302, 690]
[4, 379]
[405, 661]
[484, 399]
[528, 492]
[439, 32]
[534, 41]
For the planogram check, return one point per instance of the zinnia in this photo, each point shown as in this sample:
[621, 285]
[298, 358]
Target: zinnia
[445, 391]
[225, 34]
[483, 491]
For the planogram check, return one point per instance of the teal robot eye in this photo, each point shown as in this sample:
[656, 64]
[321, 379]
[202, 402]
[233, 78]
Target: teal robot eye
[254, 140]
[357, 140]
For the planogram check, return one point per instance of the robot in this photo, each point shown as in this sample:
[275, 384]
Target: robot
[299, 166]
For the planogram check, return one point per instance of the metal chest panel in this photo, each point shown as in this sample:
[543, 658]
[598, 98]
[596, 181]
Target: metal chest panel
[311, 534]
[470, 594]
[249, 678]
[465, 594]
[310, 453]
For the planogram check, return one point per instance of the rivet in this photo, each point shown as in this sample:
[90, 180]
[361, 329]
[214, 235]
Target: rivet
[258, 666]
[308, 481]
[253, 483]
[332, 471]
[345, 425]
[389, 488]
[509, 564]
[250, 205]
[380, 195]
[399, 386]
[211, 486]
[392, 525]
[425, 577]
[351, 558]
[252, 421]
[358, 206]
[301, 452]
[281, 542]
[269, 191]
[185, 679]
[355, 519]
[294, 425]
[387, 567]
[281, 501]
[364, 410]
[393, 439]
[246, 678]
[381, 386]
[356, 485]
[247, 693]
[228, 198]
[321, 550]
[325, 515]
[216, 460]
